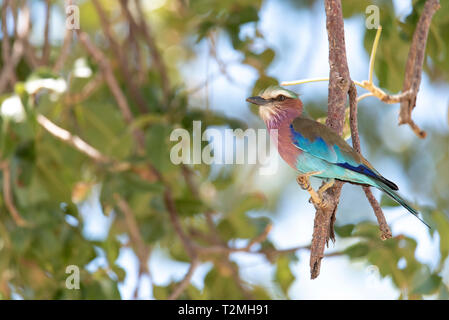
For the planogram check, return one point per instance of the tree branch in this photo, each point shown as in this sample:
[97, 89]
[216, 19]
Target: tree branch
[173, 214]
[386, 232]
[113, 85]
[18, 49]
[86, 91]
[65, 49]
[106, 68]
[136, 95]
[142, 251]
[133, 44]
[46, 48]
[144, 172]
[6, 54]
[339, 80]
[145, 29]
[8, 196]
[185, 281]
[72, 140]
[413, 68]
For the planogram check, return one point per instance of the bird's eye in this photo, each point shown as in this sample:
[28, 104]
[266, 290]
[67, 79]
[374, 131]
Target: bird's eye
[280, 98]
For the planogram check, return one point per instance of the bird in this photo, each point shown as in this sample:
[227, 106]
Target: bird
[313, 149]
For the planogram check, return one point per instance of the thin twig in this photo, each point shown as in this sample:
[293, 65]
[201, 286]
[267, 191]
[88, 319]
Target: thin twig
[86, 92]
[185, 281]
[5, 38]
[145, 172]
[18, 49]
[224, 249]
[385, 230]
[8, 196]
[113, 85]
[260, 238]
[383, 226]
[136, 95]
[65, 49]
[6, 54]
[46, 48]
[110, 79]
[154, 51]
[188, 177]
[373, 54]
[174, 218]
[29, 52]
[413, 68]
[302, 81]
[221, 64]
[132, 34]
[72, 140]
[142, 251]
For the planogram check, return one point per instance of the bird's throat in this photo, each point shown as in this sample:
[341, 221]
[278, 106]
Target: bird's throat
[275, 117]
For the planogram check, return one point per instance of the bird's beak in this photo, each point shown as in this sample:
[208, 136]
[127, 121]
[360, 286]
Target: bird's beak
[257, 100]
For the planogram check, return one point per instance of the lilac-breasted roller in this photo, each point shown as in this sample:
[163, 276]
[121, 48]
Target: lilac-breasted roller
[314, 149]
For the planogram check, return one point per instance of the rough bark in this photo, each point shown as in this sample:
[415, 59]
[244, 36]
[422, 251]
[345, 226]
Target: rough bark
[339, 80]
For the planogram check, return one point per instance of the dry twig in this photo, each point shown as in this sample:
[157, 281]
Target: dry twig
[185, 281]
[18, 49]
[339, 81]
[65, 49]
[46, 48]
[147, 33]
[72, 140]
[8, 196]
[136, 95]
[142, 251]
[413, 68]
[385, 230]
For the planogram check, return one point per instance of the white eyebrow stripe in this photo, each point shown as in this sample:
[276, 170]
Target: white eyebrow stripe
[271, 93]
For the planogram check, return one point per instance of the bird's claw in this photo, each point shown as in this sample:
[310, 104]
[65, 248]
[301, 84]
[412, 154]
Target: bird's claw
[303, 182]
[324, 187]
[315, 198]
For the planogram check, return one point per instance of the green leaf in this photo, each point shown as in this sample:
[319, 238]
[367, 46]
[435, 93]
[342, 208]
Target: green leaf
[160, 292]
[442, 225]
[429, 286]
[237, 224]
[444, 292]
[260, 61]
[219, 284]
[119, 272]
[112, 249]
[189, 206]
[158, 147]
[357, 250]
[344, 231]
[284, 275]
[152, 228]
[386, 201]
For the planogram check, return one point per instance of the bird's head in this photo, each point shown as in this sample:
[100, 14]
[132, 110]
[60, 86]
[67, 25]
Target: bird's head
[277, 103]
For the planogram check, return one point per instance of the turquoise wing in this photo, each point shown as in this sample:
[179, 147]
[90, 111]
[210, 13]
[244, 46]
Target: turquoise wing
[322, 142]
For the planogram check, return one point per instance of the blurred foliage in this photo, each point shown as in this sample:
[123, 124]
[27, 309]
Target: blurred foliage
[52, 182]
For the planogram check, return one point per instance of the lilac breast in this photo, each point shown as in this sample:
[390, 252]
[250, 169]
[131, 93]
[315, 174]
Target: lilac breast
[287, 150]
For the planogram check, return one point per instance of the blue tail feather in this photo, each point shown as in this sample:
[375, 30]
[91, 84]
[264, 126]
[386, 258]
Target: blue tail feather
[396, 197]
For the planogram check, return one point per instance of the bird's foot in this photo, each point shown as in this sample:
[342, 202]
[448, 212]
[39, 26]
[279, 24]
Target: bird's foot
[324, 187]
[304, 182]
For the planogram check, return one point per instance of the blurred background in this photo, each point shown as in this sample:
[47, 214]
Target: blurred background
[133, 72]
